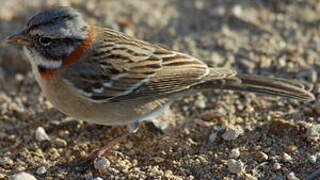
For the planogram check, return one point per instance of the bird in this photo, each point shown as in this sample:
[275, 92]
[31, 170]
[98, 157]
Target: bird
[106, 77]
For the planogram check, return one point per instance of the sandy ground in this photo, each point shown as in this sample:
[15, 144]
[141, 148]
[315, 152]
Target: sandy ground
[220, 135]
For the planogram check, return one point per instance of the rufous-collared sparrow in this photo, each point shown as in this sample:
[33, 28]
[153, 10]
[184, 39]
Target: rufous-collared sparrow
[106, 77]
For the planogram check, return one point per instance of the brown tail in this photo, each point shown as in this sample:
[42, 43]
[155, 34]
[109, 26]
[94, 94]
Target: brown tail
[265, 85]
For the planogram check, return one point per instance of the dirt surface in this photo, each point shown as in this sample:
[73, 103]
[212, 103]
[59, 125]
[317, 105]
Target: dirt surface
[220, 135]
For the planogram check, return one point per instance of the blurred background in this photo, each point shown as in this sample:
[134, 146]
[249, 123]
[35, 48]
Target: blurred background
[270, 37]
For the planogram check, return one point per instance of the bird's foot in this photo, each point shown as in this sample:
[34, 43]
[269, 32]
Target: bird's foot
[99, 152]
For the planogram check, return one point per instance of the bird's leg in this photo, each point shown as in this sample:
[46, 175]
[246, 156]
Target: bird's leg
[101, 151]
[104, 149]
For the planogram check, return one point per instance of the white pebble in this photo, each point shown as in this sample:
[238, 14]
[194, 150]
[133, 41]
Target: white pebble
[287, 157]
[235, 153]
[41, 134]
[41, 170]
[19, 77]
[22, 176]
[237, 11]
[235, 166]
[6, 161]
[313, 133]
[250, 177]
[292, 176]
[97, 178]
[101, 163]
[313, 158]
[200, 103]
[276, 166]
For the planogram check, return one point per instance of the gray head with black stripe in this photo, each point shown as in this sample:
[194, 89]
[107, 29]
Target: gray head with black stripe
[52, 34]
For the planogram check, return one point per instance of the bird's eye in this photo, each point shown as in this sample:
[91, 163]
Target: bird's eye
[45, 41]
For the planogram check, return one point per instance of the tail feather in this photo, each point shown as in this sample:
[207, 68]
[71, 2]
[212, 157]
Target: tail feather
[265, 85]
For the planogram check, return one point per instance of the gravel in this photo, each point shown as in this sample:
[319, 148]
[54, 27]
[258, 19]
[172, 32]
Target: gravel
[292, 176]
[235, 166]
[22, 176]
[217, 134]
[6, 162]
[41, 134]
[235, 153]
[60, 143]
[101, 163]
[313, 133]
[231, 134]
[287, 157]
[276, 166]
[41, 170]
[97, 178]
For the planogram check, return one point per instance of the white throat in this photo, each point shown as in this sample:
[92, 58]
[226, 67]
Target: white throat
[50, 64]
[37, 60]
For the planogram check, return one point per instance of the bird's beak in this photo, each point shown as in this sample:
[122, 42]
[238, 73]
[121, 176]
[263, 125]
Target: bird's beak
[19, 39]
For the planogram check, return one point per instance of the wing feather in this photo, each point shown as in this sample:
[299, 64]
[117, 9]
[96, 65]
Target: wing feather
[122, 68]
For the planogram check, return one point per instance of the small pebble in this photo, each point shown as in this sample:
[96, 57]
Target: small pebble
[212, 114]
[101, 163]
[250, 177]
[60, 142]
[216, 58]
[313, 133]
[22, 176]
[6, 162]
[237, 10]
[41, 170]
[261, 156]
[213, 136]
[235, 153]
[248, 64]
[292, 176]
[248, 109]
[168, 174]
[19, 77]
[282, 127]
[287, 157]
[97, 178]
[235, 166]
[41, 134]
[129, 145]
[231, 134]
[199, 5]
[203, 123]
[291, 148]
[200, 103]
[313, 158]
[64, 133]
[53, 153]
[276, 166]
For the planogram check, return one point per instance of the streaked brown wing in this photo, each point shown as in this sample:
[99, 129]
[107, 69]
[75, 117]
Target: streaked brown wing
[122, 68]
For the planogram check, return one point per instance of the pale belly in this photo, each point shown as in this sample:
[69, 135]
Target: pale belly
[70, 103]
